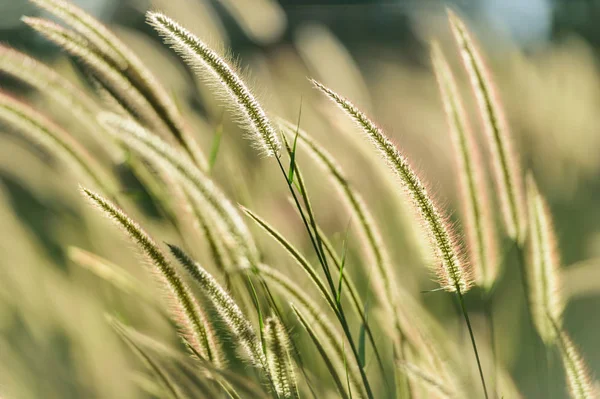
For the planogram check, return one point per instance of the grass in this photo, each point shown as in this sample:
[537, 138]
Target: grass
[341, 321]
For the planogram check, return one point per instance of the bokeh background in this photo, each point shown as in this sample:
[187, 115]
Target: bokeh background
[54, 341]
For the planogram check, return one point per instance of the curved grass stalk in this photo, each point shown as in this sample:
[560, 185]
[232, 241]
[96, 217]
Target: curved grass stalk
[545, 299]
[186, 311]
[201, 57]
[226, 307]
[377, 253]
[150, 146]
[480, 233]
[119, 56]
[105, 73]
[41, 130]
[579, 381]
[323, 327]
[384, 282]
[279, 359]
[506, 170]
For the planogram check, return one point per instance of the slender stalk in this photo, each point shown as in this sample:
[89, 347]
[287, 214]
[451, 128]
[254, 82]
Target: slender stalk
[318, 246]
[468, 322]
[489, 315]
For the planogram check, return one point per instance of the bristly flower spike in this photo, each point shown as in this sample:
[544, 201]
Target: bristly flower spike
[479, 227]
[453, 274]
[203, 58]
[279, 359]
[545, 298]
[506, 170]
[227, 309]
[186, 312]
[580, 384]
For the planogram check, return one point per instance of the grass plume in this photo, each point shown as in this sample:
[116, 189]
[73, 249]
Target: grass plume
[479, 226]
[279, 359]
[40, 130]
[150, 146]
[580, 383]
[506, 170]
[203, 58]
[226, 307]
[543, 272]
[453, 274]
[191, 319]
[116, 54]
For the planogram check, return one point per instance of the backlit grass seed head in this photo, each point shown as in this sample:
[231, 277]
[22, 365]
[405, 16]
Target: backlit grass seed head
[111, 78]
[227, 309]
[279, 359]
[154, 148]
[579, 381]
[479, 227]
[39, 129]
[506, 171]
[186, 311]
[544, 275]
[204, 59]
[117, 55]
[97, 34]
[453, 274]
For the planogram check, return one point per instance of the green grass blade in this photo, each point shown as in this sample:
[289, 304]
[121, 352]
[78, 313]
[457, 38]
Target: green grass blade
[322, 352]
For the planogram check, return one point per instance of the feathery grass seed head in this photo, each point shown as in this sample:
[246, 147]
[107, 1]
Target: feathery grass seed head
[186, 312]
[506, 170]
[580, 383]
[279, 359]
[544, 275]
[480, 231]
[453, 274]
[200, 56]
[226, 307]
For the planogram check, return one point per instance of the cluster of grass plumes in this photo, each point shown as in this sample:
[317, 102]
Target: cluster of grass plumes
[328, 332]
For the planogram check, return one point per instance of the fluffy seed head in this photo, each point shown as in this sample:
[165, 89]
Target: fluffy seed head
[453, 274]
[543, 274]
[506, 171]
[581, 385]
[279, 359]
[226, 307]
[203, 58]
[479, 226]
[186, 310]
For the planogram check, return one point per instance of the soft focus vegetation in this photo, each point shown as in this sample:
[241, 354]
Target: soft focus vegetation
[301, 220]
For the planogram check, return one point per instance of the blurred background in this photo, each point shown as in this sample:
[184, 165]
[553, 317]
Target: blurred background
[54, 342]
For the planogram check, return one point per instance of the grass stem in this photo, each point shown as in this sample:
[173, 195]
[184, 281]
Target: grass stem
[468, 322]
